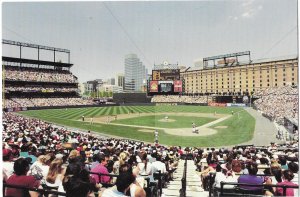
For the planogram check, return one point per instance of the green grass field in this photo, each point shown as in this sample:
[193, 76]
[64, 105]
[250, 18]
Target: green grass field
[173, 121]
[239, 129]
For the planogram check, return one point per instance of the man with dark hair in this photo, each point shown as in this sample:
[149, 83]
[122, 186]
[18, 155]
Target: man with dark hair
[19, 178]
[101, 168]
[294, 167]
[251, 178]
[288, 175]
[123, 183]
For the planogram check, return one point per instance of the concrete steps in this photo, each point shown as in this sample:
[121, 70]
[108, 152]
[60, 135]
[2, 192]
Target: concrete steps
[193, 183]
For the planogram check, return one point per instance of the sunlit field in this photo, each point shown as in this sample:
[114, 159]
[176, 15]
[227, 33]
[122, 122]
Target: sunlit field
[139, 123]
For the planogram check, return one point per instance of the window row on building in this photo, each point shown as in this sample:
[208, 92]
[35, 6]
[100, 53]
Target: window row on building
[242, 78]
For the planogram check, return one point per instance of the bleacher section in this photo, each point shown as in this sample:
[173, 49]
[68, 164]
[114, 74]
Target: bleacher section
[60, 142]
[37, 83]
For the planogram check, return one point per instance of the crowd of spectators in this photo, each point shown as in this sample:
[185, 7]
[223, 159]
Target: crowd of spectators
[40, 89]
[278, 102]
[180, 99]
[37, 153]
[41, 75]
[40, 102]
[251, 165]
[57, 157]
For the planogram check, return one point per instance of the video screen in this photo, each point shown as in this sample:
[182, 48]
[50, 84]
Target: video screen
[165, 87]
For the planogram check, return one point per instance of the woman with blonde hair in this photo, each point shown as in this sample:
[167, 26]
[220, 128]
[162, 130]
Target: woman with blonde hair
[40, 168]
[55, 174]
[73, 156]
[121, 160]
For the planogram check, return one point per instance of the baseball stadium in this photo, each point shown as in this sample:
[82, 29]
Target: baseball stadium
[150, 98]
[43, 114]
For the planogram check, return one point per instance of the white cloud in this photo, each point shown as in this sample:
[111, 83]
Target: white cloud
[246, 14]
[247, 3]
[250, 10]
[233, 18]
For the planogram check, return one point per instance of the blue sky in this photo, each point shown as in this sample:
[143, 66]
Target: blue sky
[100, 34]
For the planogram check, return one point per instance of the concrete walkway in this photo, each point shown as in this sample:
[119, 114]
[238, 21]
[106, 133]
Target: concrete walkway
[265, 130]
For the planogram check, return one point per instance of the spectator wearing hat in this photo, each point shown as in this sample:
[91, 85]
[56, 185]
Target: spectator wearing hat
[19, 178]
[7, 165]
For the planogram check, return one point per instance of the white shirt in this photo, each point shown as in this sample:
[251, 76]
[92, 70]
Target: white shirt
[8, 168]
[158, 165]
[44, 169]
[112, 192]
[222, 177]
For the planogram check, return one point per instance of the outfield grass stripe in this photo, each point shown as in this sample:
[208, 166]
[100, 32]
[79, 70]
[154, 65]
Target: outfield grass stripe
[118, 109]
[78, 113]
[110, 110]
[122, 110]
[144, 109]
[74, 112]
[101, 111]
[106, 111]
[115, 111]
[93, 112]
[138, 109]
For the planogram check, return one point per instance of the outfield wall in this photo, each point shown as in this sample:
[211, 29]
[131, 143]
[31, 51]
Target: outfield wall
[55, 107]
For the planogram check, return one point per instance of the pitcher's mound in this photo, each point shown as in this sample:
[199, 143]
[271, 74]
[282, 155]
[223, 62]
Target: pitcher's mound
[166, 120]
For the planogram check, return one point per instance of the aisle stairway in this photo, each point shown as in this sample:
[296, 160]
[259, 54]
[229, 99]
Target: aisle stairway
[193, 183]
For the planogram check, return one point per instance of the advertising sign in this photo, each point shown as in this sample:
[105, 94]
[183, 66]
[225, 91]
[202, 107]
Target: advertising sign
[177, 86]
[153, 86]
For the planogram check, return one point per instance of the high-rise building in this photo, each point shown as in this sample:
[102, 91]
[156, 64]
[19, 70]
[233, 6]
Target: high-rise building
[120, 80]
[110, 81]
[135, 73]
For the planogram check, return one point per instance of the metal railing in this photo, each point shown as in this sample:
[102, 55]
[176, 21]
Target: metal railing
[259, 188]
[44, 192]
[182, 191]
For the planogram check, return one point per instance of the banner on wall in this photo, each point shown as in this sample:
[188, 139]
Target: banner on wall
[177, 86]
[153, 86]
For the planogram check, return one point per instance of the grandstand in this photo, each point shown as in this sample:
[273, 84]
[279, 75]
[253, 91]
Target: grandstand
[31, 83]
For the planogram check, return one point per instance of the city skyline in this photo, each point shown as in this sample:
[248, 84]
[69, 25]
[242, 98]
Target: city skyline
[100, 34]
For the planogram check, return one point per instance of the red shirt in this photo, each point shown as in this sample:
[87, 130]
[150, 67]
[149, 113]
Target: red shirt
[23, 180]
[103, 170]
[289, 191]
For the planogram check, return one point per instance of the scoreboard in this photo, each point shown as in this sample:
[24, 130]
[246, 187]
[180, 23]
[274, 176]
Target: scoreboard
[167, 74]
[165, 81]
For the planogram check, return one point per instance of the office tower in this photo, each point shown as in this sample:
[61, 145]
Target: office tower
[135, 73]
